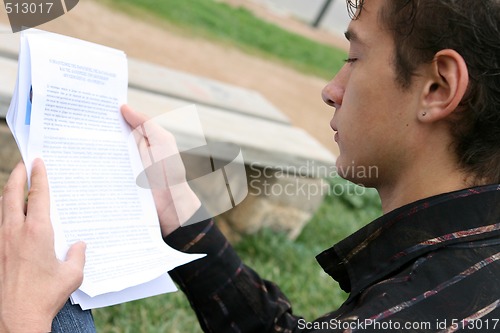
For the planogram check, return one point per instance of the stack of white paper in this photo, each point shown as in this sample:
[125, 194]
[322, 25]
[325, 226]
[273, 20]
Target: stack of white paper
[65, 109]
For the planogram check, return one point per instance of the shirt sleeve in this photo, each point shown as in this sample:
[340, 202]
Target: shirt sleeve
[226, 295]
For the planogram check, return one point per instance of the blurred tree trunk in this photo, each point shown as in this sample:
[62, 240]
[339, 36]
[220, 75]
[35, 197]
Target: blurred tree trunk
[322, 13]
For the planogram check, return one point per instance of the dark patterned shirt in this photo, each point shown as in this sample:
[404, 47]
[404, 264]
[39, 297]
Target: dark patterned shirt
[430, 266]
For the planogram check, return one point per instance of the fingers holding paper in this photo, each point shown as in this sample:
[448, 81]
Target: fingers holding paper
[29, 269]
[166, 175]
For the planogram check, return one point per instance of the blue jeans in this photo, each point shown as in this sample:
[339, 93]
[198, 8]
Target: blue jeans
[72, 319]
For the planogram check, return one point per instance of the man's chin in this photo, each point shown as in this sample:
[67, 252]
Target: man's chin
[359, 174]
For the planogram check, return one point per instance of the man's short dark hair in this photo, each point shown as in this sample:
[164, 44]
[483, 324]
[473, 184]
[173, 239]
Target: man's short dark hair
[421, 28]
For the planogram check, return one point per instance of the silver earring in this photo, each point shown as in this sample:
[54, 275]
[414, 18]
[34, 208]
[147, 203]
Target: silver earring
[424, 114]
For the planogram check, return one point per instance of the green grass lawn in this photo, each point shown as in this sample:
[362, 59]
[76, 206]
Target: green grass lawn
[237, 27]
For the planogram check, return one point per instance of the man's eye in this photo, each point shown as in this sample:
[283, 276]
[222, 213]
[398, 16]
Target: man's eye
[350, 60]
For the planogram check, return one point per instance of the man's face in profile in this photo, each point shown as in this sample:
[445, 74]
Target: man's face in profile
[374, 115]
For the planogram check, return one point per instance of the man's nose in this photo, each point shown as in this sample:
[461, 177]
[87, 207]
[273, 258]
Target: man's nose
[333, 92]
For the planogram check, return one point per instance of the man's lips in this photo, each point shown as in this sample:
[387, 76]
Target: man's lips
[334, 128]
[333, 125]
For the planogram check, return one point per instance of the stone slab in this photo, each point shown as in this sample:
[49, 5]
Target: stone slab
[196, 89]
[263, 143]
[166, 81]
[227, 114]
[9, 153]
[9, 42]
[265, 136]
[8, 70]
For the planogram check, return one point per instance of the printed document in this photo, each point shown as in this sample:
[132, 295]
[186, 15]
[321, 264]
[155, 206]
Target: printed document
[65, 110]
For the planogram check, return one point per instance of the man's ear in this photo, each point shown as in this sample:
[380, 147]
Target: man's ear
[446, 86]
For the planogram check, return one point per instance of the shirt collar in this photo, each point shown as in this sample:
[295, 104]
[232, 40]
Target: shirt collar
[394, 239]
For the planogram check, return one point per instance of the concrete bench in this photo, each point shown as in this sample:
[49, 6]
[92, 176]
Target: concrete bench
[276, 154]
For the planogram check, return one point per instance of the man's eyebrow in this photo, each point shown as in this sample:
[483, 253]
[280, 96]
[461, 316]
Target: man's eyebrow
[352, 36]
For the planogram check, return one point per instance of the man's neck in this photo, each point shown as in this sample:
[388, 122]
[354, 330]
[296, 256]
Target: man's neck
[421, 186]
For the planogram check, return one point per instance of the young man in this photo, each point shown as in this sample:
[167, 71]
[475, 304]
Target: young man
[419, 98]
